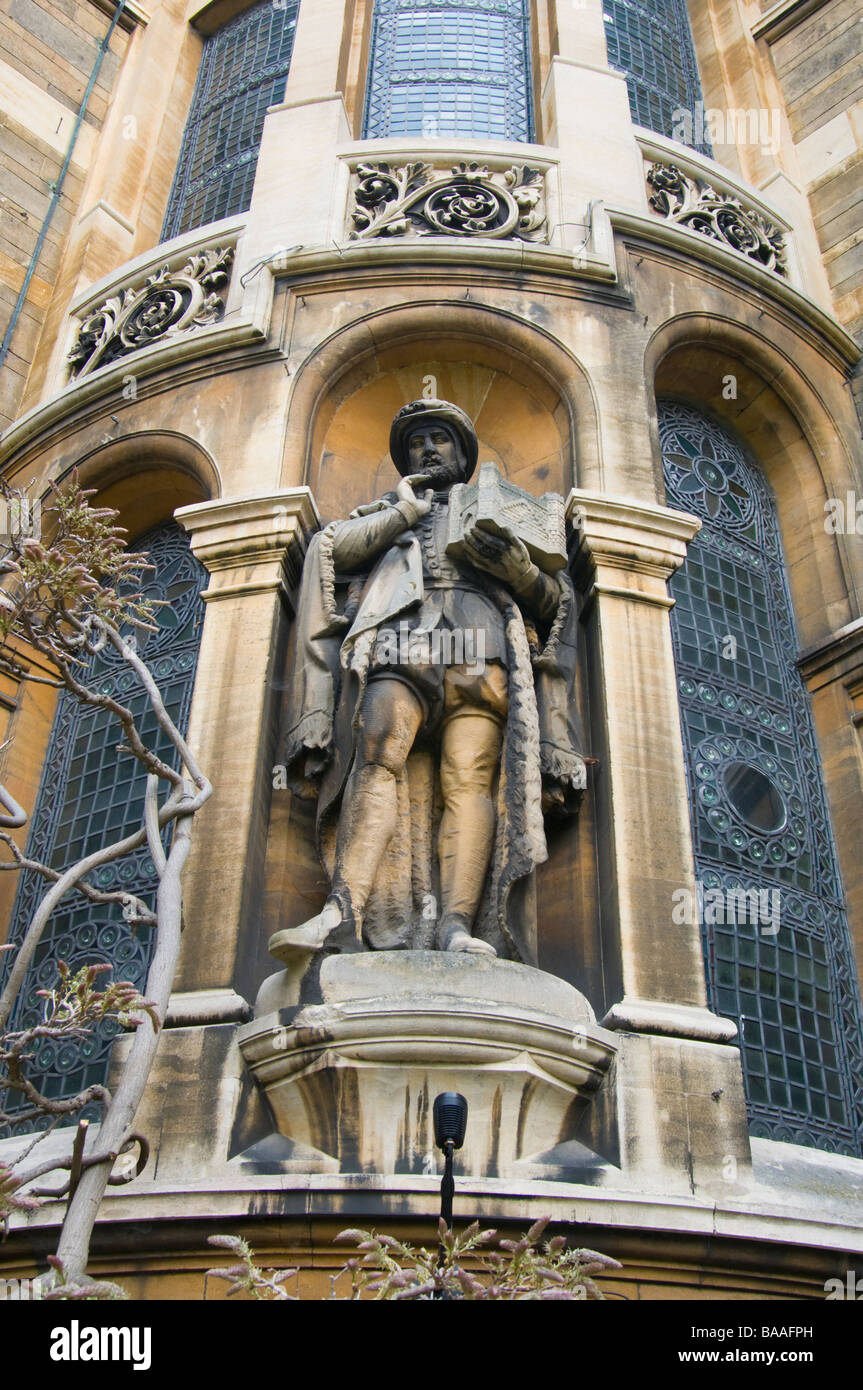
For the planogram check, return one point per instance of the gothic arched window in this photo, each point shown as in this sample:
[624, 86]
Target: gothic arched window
[650, 41]
[450, 67]
[91, 795]
[777, 948]
[244, 68]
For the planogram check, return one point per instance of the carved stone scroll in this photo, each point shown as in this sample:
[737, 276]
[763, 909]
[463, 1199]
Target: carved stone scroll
[467, 201]
[690, 202]
[171, 301]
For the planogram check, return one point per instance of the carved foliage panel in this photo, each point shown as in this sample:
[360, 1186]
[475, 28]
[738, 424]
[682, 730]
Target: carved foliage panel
[690, 202]
[171, 301]
[416, 200]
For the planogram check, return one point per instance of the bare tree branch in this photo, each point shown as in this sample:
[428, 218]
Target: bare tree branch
[68, 600]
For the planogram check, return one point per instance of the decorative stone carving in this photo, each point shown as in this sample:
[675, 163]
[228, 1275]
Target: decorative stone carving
[690, 202]
[497, 505]
[171, 301]
[468, 201]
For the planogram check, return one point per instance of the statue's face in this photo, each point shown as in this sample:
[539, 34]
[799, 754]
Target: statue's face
[434, 449]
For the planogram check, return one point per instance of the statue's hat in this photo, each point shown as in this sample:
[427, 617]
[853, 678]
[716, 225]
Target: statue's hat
[419, 413]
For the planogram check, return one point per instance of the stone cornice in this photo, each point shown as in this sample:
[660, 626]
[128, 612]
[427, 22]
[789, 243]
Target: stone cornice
[780, 18]
[801, 1221]
[132, 14]
[669, 1020]
[210, 15]
[825, 330]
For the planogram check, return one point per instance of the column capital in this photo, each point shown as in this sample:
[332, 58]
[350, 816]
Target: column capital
[626, 548]
[263, 537]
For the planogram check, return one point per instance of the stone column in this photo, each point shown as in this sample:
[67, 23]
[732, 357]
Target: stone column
[676, 1056]
[585, 112]
[253, 549]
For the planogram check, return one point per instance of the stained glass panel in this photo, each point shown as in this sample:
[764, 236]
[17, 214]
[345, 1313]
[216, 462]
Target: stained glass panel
[244, 68]
[651, 42]
[775, 934]
[450, 67]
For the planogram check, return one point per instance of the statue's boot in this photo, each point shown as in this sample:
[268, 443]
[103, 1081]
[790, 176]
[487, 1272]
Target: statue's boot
[334, 928]
[453, 934]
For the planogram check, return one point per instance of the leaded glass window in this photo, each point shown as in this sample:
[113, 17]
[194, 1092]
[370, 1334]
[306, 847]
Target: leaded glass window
[90, 795]
[244, 69]
[450, 67]
[779, 963]
[651, 42]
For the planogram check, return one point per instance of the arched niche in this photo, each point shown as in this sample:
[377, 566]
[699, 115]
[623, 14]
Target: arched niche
[521, 424]
[782, 420]
[531, 401]
[536, 417]
[147, 476]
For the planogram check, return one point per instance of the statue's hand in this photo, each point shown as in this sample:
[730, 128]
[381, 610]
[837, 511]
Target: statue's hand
[411, 506]
[504, 556]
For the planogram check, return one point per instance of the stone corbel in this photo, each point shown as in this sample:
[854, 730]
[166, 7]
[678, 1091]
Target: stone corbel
[625, 548]
[253, 544]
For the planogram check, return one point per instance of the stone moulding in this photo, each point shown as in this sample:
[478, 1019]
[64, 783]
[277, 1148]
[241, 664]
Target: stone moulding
[172, 300]
[692, 202]
[415, 200]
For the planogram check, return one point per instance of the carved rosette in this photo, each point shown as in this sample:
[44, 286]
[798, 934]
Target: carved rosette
[690, 202]
[467, 201]
[171, 301]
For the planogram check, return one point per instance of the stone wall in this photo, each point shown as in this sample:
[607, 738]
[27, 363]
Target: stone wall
[819, 64]
[49, 50]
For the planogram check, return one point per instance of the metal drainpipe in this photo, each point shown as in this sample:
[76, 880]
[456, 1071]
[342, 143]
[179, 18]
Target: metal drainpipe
[58, 187]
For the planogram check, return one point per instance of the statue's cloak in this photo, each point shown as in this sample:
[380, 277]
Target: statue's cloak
[542, 761]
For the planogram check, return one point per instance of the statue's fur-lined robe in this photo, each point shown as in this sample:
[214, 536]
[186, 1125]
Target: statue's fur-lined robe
[541, 763]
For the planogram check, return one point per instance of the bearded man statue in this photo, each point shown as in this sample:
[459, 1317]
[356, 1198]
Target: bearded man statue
[432, 712]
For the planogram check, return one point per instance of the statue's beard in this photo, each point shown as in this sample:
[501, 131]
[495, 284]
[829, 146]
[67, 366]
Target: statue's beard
[441, 475]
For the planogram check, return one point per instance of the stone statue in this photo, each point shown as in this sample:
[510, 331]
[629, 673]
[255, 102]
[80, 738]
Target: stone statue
[432, 707]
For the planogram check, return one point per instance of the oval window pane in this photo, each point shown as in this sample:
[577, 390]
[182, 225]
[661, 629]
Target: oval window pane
[756, 799]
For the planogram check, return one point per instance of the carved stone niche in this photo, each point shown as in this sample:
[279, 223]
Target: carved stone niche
[351, 1078]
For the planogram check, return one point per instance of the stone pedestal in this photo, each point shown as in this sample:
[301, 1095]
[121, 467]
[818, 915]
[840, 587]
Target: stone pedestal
[355, 1075]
